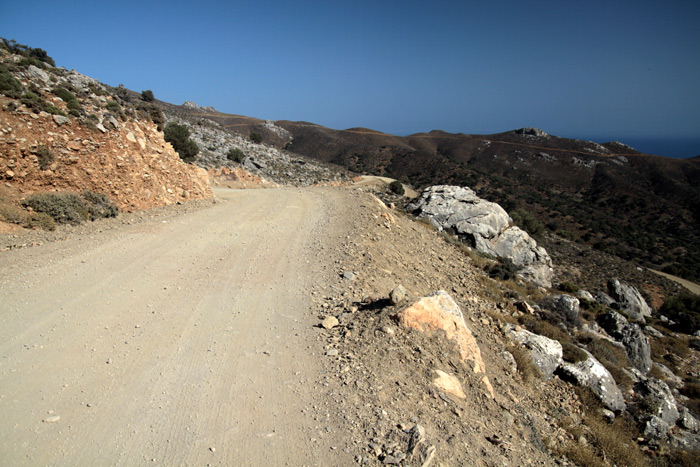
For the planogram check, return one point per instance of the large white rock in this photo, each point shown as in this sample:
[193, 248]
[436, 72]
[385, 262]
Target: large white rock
[629, 300]
[546, 353]
[592, 374]
[486, 226]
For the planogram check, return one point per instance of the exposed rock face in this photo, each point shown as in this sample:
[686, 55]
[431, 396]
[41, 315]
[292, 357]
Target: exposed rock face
[629, 300]
[486, 226]
[133, 165]
[631, 336]
[546, 353]
[440, 312]
[659, 407]
[592, 374]
[529, 131]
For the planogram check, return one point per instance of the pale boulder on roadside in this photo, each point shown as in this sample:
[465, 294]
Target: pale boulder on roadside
[330, 322]
[440, 312]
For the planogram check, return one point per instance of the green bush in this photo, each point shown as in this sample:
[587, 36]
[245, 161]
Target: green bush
[526, 221]
[503, 271]
[147, 95]
[113, 106]
[45, 157]
[64, 94]
[568, 287]
[397, 187]
[256, 137]
[179, 137]
[9, 85]
[235, 155]
[33, 101]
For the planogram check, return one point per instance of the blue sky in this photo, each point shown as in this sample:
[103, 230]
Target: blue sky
[601, 70]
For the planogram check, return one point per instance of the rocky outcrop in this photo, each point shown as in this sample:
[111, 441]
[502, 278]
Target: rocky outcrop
[486, 226]
[631, 336]
[590, 373]
[628, 300]
[659, 410]
[546, 353]
[440, 312]
[530, 131]
[261, 160]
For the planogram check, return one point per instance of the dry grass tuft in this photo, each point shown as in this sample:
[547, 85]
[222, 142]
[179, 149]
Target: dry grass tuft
[526, 367]
[606, 443]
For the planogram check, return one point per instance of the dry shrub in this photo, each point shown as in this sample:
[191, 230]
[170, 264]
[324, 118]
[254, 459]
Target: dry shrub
[501, 317]
[489, 289]
[612, 442]
[526, 367]
[545, 328]
[692, 392]
[670, 345]
[15, 215]
[573, 353]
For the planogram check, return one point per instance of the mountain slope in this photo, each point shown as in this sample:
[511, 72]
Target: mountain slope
[640, 207]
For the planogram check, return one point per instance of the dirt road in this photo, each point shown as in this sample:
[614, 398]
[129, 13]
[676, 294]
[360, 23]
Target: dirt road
[181, 342]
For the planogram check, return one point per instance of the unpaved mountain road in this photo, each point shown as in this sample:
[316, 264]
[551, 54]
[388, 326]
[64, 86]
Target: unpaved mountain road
[182, 342]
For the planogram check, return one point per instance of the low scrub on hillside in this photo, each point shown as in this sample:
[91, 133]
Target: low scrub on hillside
[684, 309]
[179, 137]
[235, 155]
[9, 85]
[71, 208]
[397, 187]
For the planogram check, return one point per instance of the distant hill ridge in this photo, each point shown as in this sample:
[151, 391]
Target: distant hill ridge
[610, 196]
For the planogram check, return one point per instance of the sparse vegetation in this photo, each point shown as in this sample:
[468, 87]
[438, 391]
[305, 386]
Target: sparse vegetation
[396, 187]
[179, 137]
[235, 155]
[45, 157]
[9, 85]
[526, 221]
[526, 367]
[71, 208]
[598, 442]
[15, 215]
[684, 309]
[256, 137]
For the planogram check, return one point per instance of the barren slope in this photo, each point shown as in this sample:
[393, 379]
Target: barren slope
[178, 342]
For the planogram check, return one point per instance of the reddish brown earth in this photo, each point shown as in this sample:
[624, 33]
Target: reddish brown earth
[133, 165]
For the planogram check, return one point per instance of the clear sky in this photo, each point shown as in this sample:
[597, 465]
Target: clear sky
[601, 70]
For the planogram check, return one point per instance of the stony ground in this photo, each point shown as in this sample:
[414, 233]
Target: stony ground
[97, 311]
